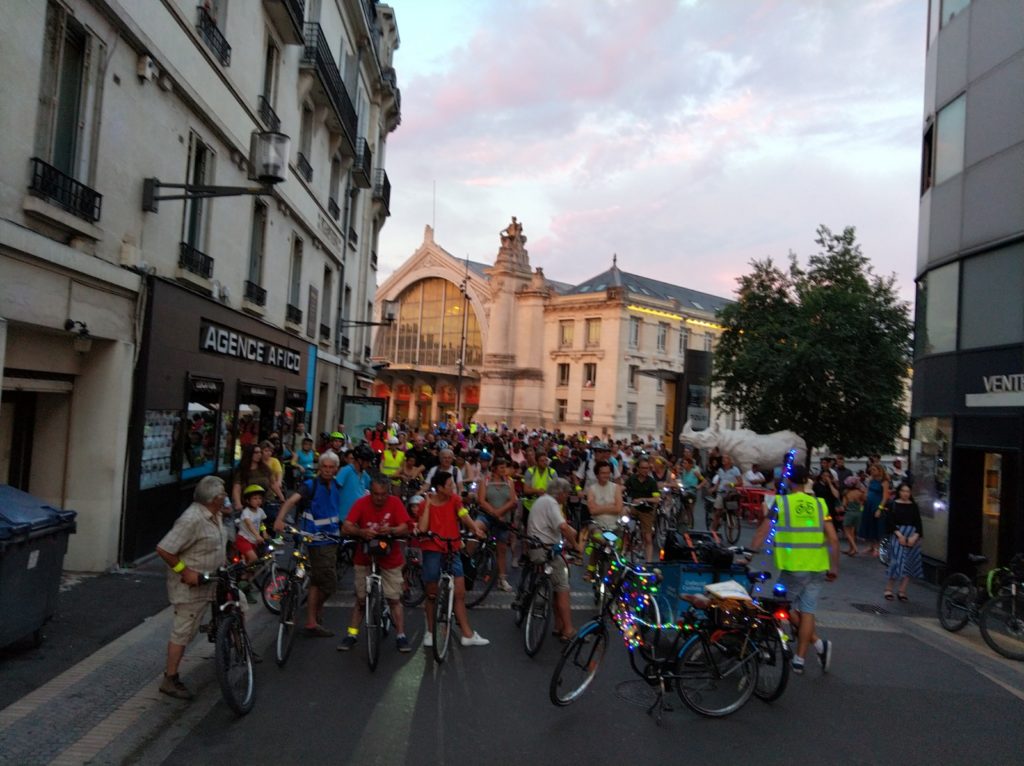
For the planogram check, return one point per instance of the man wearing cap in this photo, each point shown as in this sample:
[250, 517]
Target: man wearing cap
[600, 451]
[392, 459]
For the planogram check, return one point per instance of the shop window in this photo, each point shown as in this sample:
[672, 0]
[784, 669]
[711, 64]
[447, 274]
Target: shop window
[949, 139]
[161, 463]
[199, 443]
[992, 313]
[255, 419]
[292, 425]
[930, 455]
[937, 299]
[563, 374]
[226, 442]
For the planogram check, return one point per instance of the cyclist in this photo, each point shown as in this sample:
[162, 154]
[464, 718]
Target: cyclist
[642, 487]
[446, 464]
[807, 554]
[726, 479]
[497, 499]
[354, 479]
[547, 524]
[441, 515]
[379, 513]
[305, 459]
[392, 459]
[604, 498]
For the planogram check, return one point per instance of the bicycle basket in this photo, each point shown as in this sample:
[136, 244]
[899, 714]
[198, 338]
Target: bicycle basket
[732, 613]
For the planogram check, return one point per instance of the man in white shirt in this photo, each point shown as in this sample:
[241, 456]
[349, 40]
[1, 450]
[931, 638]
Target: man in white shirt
[547, 523]
[753, 477]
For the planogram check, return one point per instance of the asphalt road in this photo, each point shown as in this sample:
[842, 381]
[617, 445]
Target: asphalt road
[895, 695]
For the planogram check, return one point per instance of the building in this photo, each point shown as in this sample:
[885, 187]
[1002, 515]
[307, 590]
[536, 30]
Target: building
[147, 336]
[502, 343]
[968, 388]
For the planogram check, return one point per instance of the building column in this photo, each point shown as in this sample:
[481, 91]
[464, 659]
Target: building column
[3, 348]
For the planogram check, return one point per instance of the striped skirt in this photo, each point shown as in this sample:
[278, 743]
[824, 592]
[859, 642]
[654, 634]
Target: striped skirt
[904, 561]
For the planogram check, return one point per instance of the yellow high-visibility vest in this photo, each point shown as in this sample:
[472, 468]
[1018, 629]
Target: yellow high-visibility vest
[800, 543]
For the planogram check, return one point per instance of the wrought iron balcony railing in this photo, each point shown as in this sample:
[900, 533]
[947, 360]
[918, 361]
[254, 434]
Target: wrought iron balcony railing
[64, 191]
[333, 209]
[195, 261]
[362, 169]
[267, 114]
[305, 169]
[382, 190]
[255, 294]
[293, 314]
[325, 332]
[213, 36]
[317, 54]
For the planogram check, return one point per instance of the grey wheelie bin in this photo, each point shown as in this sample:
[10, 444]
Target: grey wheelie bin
[33, 541]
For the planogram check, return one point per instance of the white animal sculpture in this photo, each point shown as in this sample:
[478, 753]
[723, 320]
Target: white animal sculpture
[745, 446]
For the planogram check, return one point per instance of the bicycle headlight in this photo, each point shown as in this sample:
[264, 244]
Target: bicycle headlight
[300, 570]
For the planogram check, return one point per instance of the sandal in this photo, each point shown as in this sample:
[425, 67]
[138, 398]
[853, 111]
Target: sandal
[889, 595]
[902, 597]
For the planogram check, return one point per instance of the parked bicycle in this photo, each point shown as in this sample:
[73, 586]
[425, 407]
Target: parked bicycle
[234, 656]
[535, 596]
[994, 601]
[294, 591]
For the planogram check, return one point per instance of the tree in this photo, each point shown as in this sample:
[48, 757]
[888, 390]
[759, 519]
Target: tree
[823, 351]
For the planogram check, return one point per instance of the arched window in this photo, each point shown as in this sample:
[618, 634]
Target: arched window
[428, 327]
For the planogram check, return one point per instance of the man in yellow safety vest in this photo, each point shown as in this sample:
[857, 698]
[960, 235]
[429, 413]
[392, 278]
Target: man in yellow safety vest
[392, 458]
[799, 530]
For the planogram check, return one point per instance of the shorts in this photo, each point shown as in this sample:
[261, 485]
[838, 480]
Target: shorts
[187, 619]
[432, 566]
[243, 545]
[323, 568]
[606, 521]
[803, 589]
[559, 571]
[390, 578]
[645, 519]
[494, 526]
[852, 518]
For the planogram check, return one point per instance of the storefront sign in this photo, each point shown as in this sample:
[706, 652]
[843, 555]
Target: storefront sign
[1000, 391]
[215, 339]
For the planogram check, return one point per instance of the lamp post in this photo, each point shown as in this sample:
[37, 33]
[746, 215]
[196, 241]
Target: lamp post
[463, 287]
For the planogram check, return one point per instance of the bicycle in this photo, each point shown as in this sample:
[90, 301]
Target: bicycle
[706, 658]
[234, 656]
[992, 602]
[444, 602]
[295, 591]
[413, 591]
[534, 597]
[481, 565]
[632, 536]
[377, 613]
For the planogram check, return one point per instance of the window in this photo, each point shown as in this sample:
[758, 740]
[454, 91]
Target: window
[325, 315]
[991, 311]
[199, 172]
[295, 275]
[561, 407]
[662, 336]
[933, 20]
[211, 24]
[634, 377]
[587, 410]
[709, 341]
[303, 159]
[928, 159]
[930, 458]
[949, 139]
[565, 328]
[951, 8]
[634, 332]
[631, 416]
[937, 299]
[332, 194]
[428, 329]
[593, 330]
[589, 374]
[270, 74]
[257, 244]
[684, 340]
[563, 374]
[659, 385]
[659, 418]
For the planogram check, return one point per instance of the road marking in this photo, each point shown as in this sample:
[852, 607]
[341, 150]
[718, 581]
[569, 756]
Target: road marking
[1000, 682]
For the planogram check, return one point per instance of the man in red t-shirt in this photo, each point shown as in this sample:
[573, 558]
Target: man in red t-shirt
[375, 515]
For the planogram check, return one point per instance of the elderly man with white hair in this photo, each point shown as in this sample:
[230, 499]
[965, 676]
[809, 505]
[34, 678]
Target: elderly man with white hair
[195, 544]
[548, 525]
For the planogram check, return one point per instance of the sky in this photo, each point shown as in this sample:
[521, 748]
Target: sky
[686, 136]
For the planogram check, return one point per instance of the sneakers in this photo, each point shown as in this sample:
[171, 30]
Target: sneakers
[173, 687]
[428, 640]
[475, 640]
[317, 631]
[797, 667]
[403, 644]
[825, 656]
[347, 643]
[504, 585]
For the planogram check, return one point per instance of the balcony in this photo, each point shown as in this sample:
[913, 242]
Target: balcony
[267, 114]
[293, 316]
[382, 190]
[362, 169]
[345, 344]
[393, 105]
[353, 238]
[63, 190]
[325, 332]
[255, 294]
[305, 169]
[333, 209]
[287, 17]
[329, 88]
[195, 262]
[213, 37]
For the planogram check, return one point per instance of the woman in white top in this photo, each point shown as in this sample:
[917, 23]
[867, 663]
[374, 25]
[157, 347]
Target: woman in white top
[604, 500]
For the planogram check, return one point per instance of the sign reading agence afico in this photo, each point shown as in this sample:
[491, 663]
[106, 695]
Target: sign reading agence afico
[216, 339]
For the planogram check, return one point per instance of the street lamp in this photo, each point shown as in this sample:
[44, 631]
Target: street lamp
[463, 288]
[268, 162]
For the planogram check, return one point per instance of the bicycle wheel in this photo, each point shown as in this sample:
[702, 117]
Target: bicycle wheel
[374, 623]
[286, 627]
[233, 659]
[538, 616]
[578, 664]
[442, 619]
[412, 585]
[660, 530]
[716, 678]
[1002, 625]
[522, 600]
[273, 589]
[732, 526]
[344, 562]
[773, 660]
[956, 597]
[486, 564]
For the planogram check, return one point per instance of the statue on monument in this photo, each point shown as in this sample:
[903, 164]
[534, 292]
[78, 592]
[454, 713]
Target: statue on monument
[513, 234]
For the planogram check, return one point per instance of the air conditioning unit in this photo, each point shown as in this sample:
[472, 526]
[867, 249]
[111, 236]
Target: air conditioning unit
[146, 68]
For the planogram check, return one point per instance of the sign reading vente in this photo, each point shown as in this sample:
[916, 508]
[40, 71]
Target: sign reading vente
[1000, 391]
[216, 339]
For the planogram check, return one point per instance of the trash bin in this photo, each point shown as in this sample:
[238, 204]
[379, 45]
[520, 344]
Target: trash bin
[33, 541]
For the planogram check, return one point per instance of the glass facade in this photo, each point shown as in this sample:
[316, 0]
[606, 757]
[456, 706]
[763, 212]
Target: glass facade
[930, 455]
[937, 303]
[428, 330]
[992, 313]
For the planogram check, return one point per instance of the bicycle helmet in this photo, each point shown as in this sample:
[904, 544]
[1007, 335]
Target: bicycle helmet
[338, 435]
[362, 452]
[253, 489]
[485, 455]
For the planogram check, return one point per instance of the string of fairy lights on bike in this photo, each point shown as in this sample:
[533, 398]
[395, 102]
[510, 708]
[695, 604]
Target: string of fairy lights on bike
[769, 543]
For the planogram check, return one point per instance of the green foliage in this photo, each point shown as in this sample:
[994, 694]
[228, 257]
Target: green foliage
[822, 350]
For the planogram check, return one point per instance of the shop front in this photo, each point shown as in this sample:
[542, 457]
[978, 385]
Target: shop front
[967, 442]
[210, 382]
